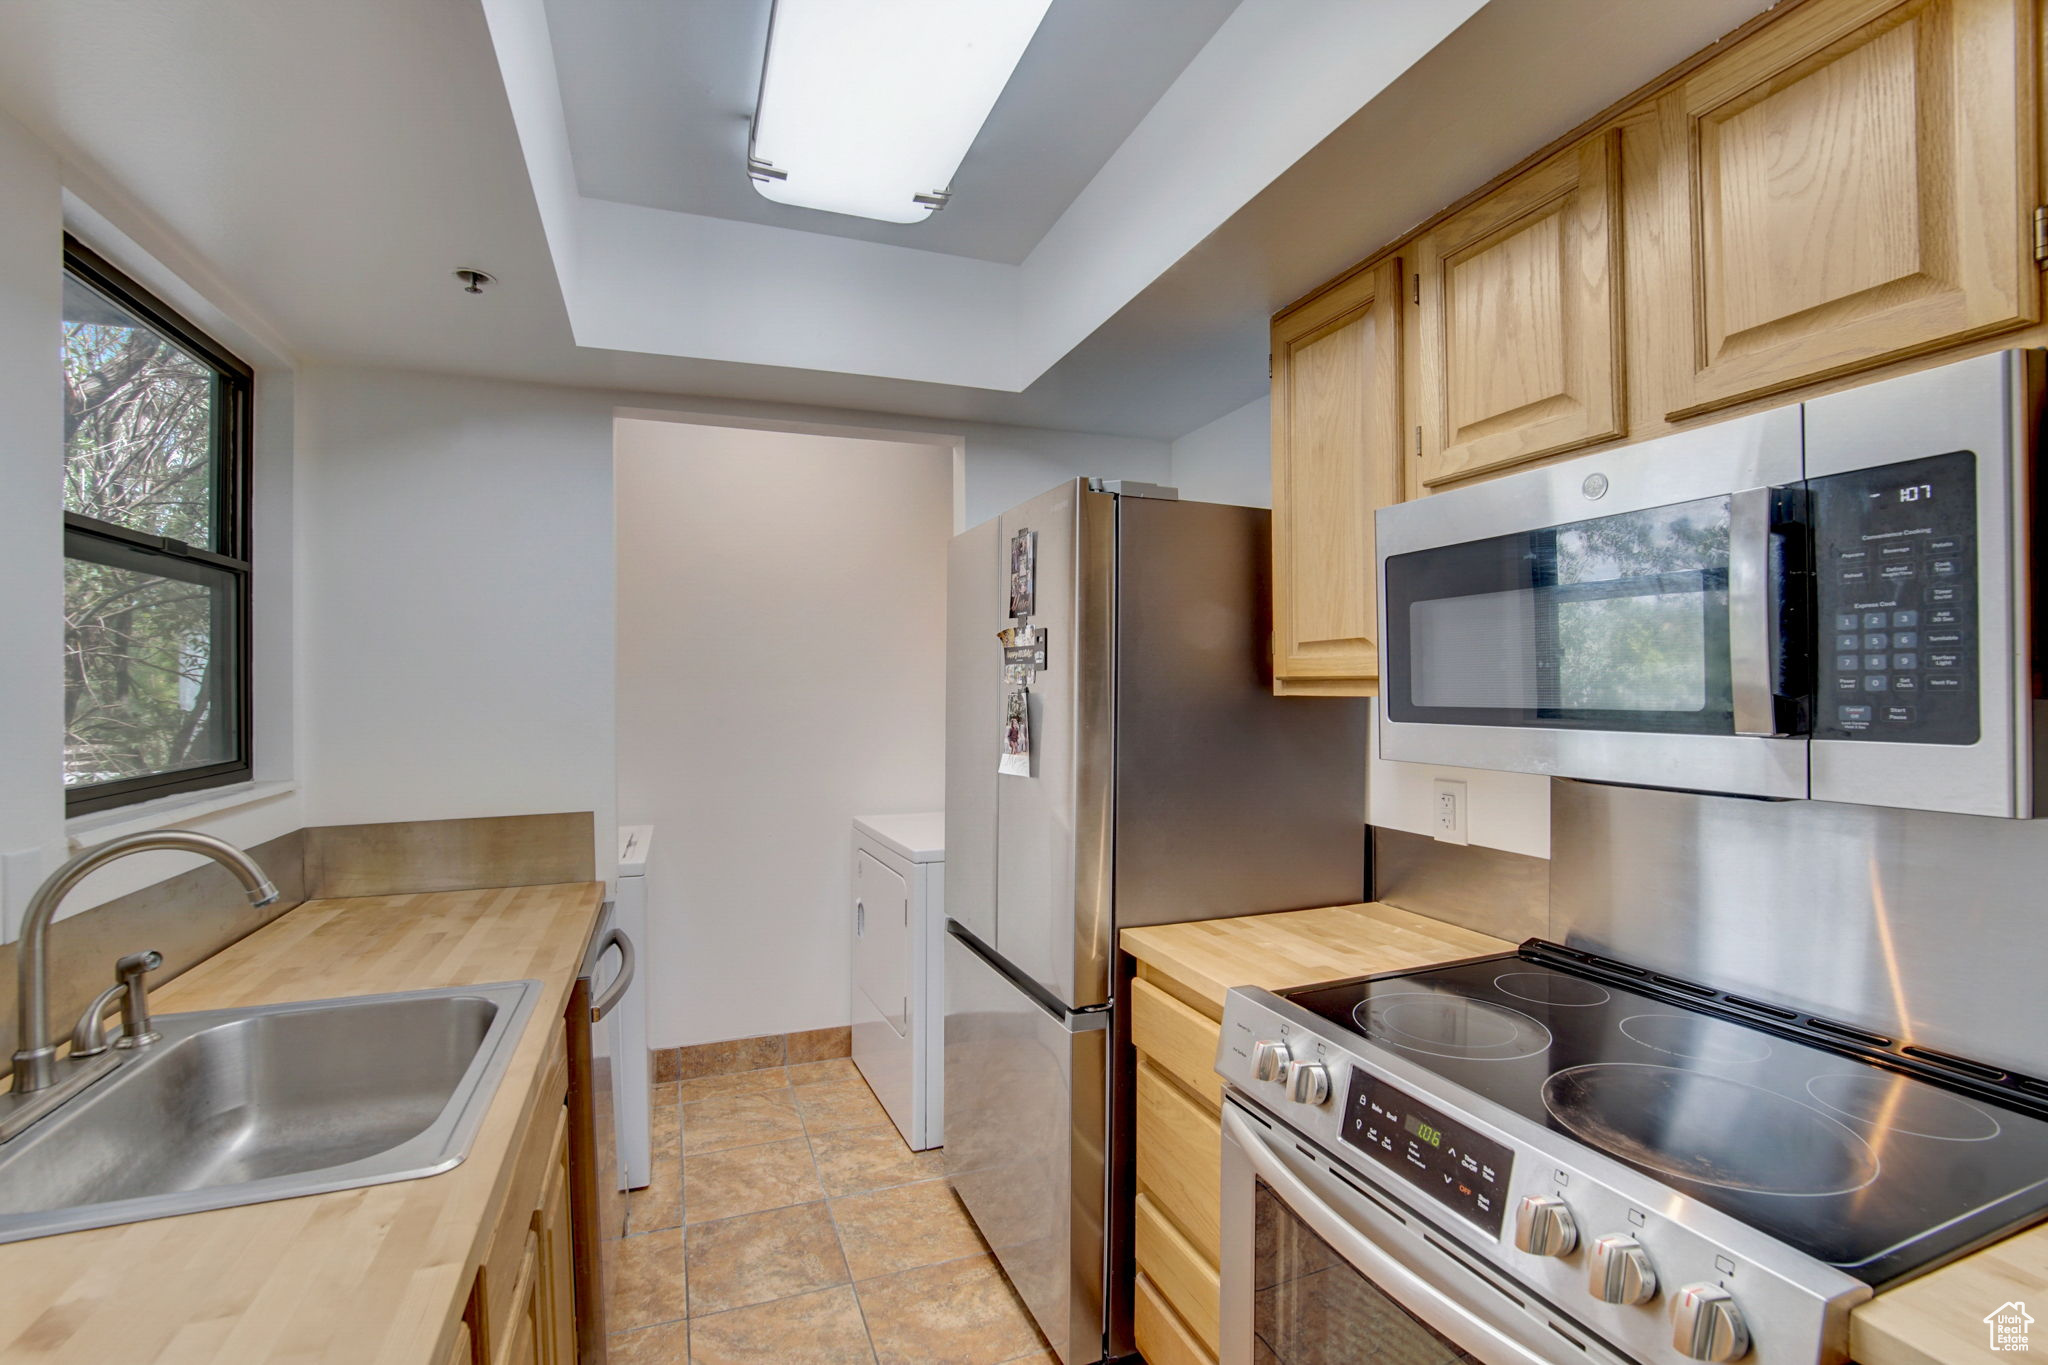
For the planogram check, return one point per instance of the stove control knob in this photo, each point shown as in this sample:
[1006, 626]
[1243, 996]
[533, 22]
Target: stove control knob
[1706, 1324]
[1618, 1270]
[1307, 1082]
[1268, 1060]
[1544, 1226]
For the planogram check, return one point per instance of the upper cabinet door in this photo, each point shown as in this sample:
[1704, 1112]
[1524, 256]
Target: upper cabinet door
[1336, 459]
[1520, 322]
[1853, 183]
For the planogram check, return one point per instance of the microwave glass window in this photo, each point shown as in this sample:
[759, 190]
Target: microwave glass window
[1615, 623]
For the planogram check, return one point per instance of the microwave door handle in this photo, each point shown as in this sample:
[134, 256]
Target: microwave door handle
[1753, 611]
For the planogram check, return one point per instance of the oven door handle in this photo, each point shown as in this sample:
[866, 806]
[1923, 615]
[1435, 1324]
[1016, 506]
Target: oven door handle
[1766, 615]
[1411, 1290]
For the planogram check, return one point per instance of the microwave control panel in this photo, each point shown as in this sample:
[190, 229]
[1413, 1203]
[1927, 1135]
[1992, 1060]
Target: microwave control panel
[1895, 569]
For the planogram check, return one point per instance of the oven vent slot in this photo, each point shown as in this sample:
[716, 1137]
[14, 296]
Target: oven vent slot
[1688, 987]
[1566, 1335]
[1772, 1010]
[1844, 1031]
[1465, 1263]
[1962, 1064]
[1611, 965]
[2032, 1086]
[1384, 1207]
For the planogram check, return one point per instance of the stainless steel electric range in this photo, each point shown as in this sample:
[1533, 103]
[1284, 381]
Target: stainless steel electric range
[1551, 1157]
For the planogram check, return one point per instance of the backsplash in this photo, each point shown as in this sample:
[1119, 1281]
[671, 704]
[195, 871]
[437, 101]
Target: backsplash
[1483, 889]
[1923, 927]
[192, 916]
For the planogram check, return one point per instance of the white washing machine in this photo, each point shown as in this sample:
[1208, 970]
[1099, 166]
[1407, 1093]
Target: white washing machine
[899, 983]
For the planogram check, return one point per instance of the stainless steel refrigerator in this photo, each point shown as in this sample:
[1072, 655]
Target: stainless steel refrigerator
[1160, 781]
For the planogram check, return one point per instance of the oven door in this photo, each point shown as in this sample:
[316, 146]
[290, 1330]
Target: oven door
[1319, 1270]
[1636, 616]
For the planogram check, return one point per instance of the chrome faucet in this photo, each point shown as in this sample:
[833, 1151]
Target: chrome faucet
[35, 1060]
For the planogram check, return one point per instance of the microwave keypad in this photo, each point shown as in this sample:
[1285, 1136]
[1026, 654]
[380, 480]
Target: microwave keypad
[1896, 569]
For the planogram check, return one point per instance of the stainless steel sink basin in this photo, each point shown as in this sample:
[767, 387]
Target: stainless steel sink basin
[242, 1106]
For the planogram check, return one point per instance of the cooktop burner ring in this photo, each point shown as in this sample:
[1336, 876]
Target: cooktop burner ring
[1552, 988]
[1442, 1024]
[1895, 1104]
[1695, 1038]
[1731, 1132]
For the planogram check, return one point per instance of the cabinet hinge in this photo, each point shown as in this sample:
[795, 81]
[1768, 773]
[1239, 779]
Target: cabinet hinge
[1418, 442]
[1418, 289]
[2041, 235]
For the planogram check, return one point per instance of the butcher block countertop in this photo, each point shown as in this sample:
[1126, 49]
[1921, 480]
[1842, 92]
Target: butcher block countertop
[378, 1274]
[1296, 948]
[1936, 1319]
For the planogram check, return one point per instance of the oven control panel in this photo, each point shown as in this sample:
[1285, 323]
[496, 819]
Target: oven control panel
[1895, 563]
[1437, 1155]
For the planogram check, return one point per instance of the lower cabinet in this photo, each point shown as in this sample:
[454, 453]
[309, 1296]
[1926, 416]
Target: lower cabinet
[522, 1306]
[1179, 1155]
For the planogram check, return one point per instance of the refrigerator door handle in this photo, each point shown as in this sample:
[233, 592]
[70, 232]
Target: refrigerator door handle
[1073, 1020]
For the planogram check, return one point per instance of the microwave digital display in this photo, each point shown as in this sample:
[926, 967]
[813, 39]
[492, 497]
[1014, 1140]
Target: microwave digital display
[1895, 564]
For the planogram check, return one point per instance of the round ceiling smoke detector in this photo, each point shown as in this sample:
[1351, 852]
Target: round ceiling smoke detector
[473, 281]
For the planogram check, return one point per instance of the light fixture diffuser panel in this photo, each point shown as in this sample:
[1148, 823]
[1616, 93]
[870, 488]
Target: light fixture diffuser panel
[866, 104]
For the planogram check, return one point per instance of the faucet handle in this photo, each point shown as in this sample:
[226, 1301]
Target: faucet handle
[89, 1034]
[136, 1029]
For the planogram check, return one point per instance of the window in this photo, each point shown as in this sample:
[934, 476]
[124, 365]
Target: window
[156, 546]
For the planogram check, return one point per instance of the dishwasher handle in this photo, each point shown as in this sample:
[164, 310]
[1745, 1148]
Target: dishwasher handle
[628, 962]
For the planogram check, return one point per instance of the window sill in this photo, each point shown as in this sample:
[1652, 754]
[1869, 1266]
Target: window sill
[82, 831]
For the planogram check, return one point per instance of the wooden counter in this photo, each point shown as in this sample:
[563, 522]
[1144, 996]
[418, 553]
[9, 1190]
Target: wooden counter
[1938, 1319]
[1295, 948]
[1176, 1009]
[379, 1274]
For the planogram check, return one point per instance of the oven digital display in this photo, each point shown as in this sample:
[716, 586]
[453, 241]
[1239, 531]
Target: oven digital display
[1450, 1162]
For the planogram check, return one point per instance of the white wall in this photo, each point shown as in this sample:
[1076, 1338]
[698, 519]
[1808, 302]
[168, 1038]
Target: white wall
[1002, 466]
[1502, 810]
[31, 526]
[781, 669]
[457, 598]
[1230, 460]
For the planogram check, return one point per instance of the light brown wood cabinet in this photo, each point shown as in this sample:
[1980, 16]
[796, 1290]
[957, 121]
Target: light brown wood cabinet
[1853, 184]
[522, 1308]
[1336, 458]
[1519, 321]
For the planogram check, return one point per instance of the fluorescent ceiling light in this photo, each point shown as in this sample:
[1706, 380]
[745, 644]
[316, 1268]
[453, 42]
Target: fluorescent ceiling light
[868, 106]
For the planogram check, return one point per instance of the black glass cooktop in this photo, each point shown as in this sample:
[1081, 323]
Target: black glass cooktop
[1876, 1172]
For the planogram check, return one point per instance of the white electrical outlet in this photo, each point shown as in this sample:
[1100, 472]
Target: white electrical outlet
[1447, 820]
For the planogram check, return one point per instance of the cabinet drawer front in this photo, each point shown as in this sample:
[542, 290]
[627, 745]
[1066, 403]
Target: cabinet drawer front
[1845, 186]
[1521, 320]
[1178, 1040]
[1186, 1280]
[1163, 1339]
[546, 1131]
[1180, 1159]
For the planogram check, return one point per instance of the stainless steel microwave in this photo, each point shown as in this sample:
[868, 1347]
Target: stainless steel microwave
[1830, 600]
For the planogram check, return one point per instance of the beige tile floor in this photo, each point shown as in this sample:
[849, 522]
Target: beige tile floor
[788, 1223]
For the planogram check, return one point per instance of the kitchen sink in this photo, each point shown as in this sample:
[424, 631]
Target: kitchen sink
[243, 1106]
